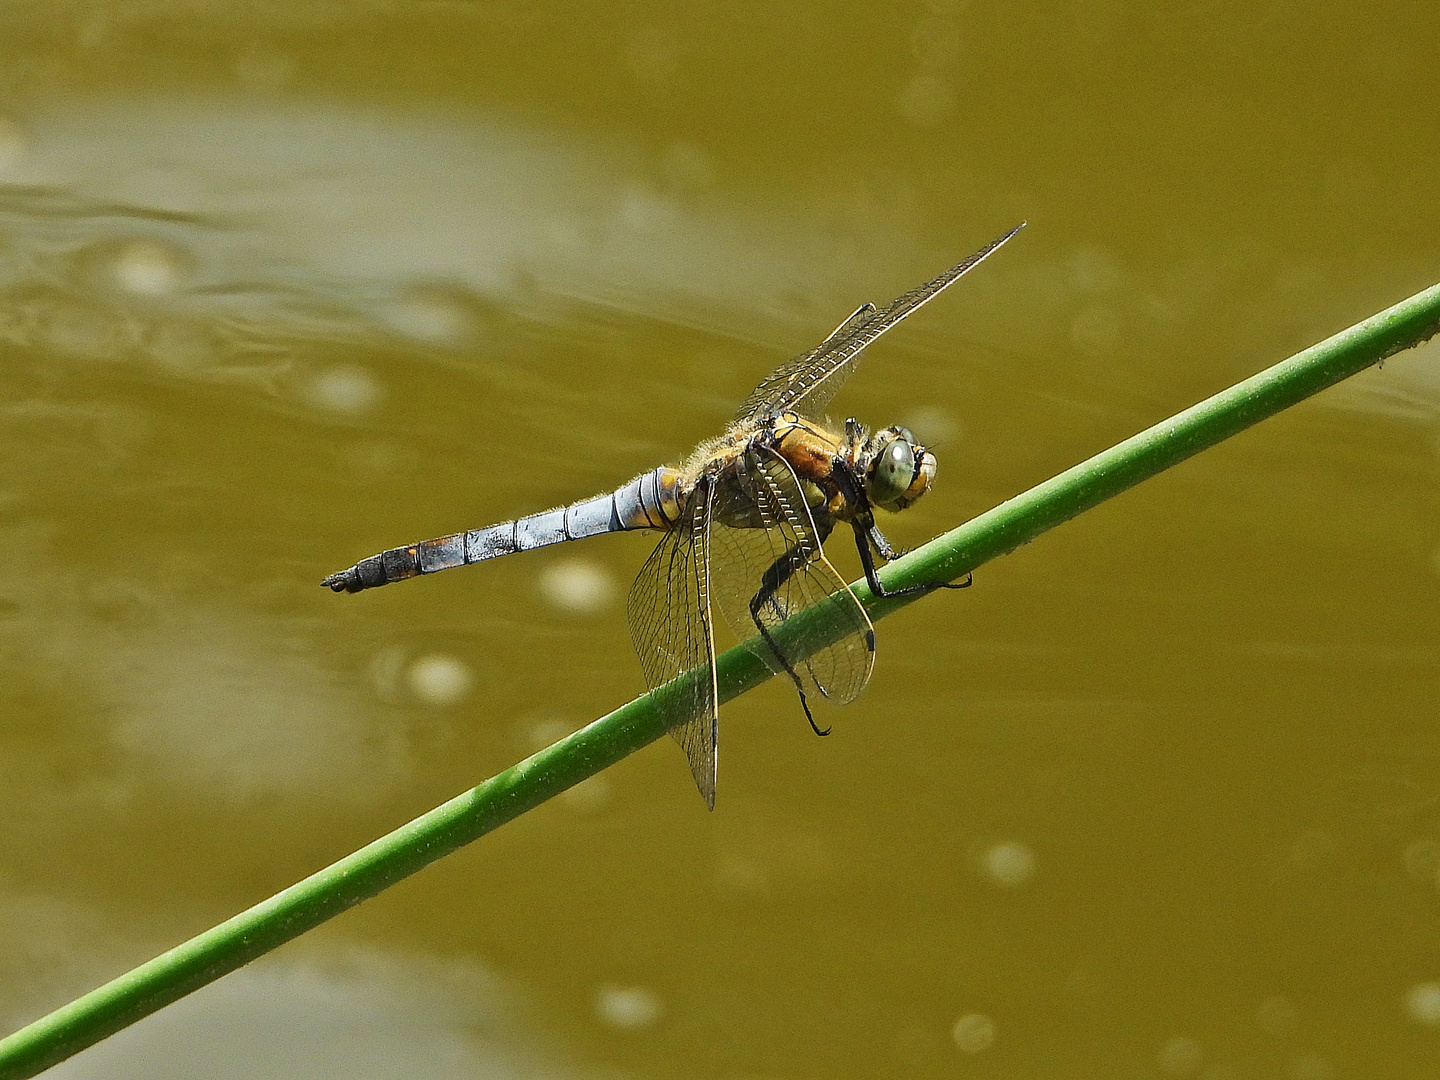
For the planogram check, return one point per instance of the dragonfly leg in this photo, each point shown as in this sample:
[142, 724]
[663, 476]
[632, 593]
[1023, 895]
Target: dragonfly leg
[778, 573]
[865, 536]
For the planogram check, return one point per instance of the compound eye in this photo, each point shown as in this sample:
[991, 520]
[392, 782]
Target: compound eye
[892, 473]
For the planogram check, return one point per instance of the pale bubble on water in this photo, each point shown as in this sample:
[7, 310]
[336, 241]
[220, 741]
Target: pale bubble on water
[1422, 1004]
[1181, 1056]
[974, 1033]
[1009, 864]
[433, 315]
[577, 585]
[438, 679]
[629, 1008]
[346, 389]
[147, 268]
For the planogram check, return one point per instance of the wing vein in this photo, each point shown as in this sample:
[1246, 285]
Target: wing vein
[812, 378]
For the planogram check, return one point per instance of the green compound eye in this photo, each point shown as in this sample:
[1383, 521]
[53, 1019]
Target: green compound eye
[900, 469]
[892, 472]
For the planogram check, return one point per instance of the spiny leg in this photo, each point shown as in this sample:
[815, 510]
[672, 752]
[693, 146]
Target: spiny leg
[780, 571]
[865, 535]
[890, 554]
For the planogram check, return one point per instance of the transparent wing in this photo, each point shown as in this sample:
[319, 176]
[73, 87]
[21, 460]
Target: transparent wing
[670, 622]
[808, 382]
[765, 573]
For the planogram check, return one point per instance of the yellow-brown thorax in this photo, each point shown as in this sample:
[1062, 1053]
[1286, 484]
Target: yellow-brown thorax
[828, 466]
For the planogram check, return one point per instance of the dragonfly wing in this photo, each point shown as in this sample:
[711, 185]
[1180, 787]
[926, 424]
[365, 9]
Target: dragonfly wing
[808, 382]
[858, 318]
[670, 622]
[765, 574]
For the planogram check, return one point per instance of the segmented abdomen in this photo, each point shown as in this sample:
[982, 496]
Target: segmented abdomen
[650, 501]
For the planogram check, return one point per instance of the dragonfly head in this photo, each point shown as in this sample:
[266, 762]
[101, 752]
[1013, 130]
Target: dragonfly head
[897, 469]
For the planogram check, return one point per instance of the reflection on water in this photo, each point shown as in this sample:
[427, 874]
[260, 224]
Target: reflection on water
[355, 1013]
[316, 219]
[974, 1032]
[202, 694]
[578, 585]
[438, 679]
[279, 289]
[1009, 864]
[1422, 1002]
[344, 389]
[628, 1008]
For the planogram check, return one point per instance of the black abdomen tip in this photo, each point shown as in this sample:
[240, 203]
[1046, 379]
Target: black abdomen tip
[344, 581]
[366, 574]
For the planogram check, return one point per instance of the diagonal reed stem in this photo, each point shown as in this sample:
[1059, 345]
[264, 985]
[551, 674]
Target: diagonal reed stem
[357, 877]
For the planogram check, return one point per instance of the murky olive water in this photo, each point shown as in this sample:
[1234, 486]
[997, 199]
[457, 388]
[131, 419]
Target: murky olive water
[279, 288]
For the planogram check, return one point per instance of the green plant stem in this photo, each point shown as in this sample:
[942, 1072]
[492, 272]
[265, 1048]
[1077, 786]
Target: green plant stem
[357, 877]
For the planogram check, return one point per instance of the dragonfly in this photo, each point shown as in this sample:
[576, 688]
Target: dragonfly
[743, 522]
